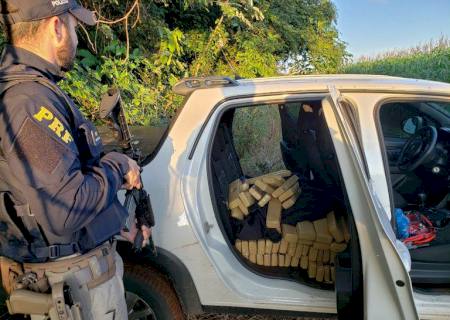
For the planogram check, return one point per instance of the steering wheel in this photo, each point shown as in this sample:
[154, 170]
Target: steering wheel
[417, 149]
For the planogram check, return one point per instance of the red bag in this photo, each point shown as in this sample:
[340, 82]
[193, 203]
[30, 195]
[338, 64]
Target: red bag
[421, 230]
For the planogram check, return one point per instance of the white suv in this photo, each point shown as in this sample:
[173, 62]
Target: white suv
[372, 149]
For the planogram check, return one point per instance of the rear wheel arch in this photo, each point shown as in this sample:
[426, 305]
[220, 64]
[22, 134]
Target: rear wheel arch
[172, 268]
[150, 294]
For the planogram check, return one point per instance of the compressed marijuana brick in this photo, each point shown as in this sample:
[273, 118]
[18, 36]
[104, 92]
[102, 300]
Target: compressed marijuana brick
[334, 227]
[285, 186]
[237, 213]
[273, 214]
[306, 231]
[256, 193]
[322, 233]
[289, 233]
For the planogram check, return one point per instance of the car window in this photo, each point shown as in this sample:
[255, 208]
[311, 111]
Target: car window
[292, 110]
[441, 106]
[257, 136]
[393, 116]
[400, 120]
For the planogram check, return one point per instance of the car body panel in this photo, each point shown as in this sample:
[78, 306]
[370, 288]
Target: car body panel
[256, 289]
[432, 306]
[184, 234]
[187, 226]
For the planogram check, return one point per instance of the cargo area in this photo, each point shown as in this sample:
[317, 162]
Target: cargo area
[279, 193]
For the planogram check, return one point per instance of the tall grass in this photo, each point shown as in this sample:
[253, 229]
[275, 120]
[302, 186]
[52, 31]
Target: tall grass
[429, 61]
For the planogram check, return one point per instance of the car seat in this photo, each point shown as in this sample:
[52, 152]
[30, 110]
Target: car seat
[294, 157]
[315, 140]
[225, 169]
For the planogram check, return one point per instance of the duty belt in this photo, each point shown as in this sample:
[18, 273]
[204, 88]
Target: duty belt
[98, 264]
[56, 251]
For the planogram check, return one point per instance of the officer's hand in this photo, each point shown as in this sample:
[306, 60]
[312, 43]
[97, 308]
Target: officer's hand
[147, 233]
[130, 235]
[133, 176]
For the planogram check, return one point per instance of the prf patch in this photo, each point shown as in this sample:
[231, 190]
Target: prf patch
[54, 124]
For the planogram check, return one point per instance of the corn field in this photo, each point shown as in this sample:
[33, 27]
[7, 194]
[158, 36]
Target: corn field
[430, 61]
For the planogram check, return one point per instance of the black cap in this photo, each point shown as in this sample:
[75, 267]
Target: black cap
[14, 11]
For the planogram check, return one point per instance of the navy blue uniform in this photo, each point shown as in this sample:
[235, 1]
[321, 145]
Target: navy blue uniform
[55, 155]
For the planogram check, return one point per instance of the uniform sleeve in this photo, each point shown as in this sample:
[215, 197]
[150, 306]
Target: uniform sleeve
[40, 150]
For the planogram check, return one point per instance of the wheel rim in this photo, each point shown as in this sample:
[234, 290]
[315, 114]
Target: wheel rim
[137, 308]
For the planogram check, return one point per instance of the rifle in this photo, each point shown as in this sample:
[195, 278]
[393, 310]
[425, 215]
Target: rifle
[137, 202]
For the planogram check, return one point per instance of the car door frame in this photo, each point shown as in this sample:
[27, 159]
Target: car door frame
[385, 273]
[244, 286]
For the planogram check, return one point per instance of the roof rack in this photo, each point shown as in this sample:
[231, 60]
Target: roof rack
[186, 86]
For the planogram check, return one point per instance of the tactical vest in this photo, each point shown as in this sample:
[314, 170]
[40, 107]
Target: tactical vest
[21, 237]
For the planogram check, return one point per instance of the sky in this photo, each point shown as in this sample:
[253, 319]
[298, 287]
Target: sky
[370, 27]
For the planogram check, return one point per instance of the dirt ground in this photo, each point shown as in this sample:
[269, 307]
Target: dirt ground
[233, 317]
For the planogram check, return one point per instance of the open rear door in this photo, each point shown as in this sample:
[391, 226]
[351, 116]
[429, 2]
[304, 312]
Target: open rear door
[374, 272]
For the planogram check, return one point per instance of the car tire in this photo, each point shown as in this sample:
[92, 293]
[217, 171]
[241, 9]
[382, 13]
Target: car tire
[154, 290]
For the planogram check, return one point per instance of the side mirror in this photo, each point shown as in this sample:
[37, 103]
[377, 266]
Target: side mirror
[110, 104]
[111, 111]
[412, 124]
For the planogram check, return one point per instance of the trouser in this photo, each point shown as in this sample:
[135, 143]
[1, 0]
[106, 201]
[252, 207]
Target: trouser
[94, 283]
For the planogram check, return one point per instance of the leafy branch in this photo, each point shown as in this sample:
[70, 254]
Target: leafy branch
[166, 40]
[125, 20]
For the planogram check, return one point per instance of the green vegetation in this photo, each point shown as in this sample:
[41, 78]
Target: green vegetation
[257, 136]
[159, 42]
[431, 62]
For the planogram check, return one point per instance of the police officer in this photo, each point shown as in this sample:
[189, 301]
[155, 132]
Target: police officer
[58, 189]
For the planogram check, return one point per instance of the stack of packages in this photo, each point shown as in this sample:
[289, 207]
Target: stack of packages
[278, 188]
[310, 245]
[321, 240]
